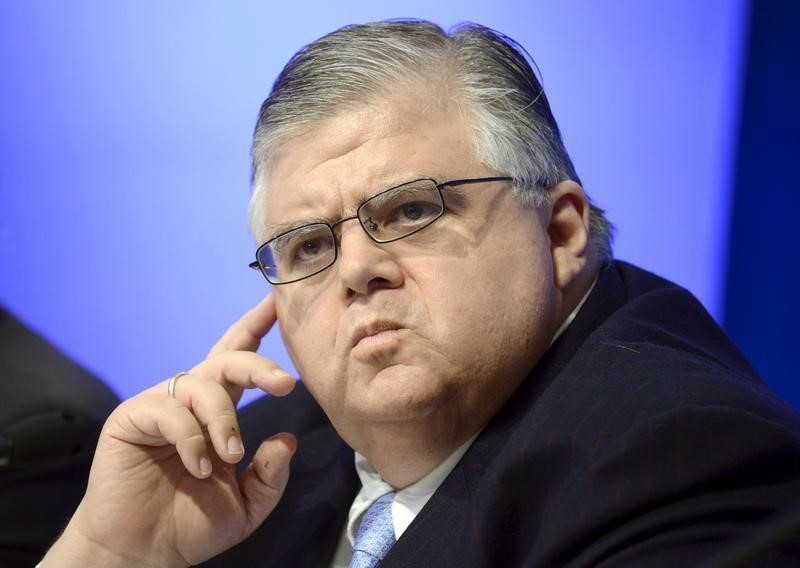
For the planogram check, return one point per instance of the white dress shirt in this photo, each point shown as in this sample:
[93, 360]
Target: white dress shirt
[407, 502]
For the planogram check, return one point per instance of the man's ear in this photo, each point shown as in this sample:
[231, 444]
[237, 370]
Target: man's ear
[569, 232]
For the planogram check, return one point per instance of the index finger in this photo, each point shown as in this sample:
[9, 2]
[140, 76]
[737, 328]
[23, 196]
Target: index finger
[246, 334]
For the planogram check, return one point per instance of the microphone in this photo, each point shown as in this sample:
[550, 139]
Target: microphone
[43, 439]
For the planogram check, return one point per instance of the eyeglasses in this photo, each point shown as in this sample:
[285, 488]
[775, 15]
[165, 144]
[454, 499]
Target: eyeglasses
[391, 215]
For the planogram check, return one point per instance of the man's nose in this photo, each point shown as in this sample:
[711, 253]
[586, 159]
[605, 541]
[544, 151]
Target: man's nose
[364, 266]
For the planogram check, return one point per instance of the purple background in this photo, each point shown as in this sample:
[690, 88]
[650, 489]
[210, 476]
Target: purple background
[125, 130]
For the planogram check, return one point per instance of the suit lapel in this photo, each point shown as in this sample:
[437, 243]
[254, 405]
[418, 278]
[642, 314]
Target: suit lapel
[458, 526]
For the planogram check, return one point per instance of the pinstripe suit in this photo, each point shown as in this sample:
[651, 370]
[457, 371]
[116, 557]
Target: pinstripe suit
[641, 437]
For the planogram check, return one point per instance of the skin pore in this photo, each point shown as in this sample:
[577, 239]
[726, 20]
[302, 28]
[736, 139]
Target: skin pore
[411, 346]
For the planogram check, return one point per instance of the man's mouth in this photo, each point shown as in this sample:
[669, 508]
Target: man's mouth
[376, 334]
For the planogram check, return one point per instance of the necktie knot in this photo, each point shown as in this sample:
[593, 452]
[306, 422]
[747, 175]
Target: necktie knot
[375, 534]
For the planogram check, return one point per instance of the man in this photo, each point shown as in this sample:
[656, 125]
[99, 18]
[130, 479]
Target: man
[512, 395]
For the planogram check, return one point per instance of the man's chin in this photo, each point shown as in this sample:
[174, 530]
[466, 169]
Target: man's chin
[396, 393]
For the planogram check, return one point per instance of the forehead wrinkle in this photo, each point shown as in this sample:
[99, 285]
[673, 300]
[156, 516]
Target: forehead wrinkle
[353, 185]
[380, 170]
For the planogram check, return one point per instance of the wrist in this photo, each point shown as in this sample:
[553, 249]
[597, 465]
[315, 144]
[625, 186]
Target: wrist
[76, 549]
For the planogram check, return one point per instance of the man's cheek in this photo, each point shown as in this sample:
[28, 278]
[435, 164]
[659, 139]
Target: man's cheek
[309, 348]
[292, 341]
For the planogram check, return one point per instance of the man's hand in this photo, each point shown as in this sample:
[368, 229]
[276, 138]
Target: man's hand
[162, 490]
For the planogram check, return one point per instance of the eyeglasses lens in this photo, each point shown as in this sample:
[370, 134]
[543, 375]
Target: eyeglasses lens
[401, 211]
[299, 253]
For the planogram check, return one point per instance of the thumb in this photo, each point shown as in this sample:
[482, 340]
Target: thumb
[263, 482]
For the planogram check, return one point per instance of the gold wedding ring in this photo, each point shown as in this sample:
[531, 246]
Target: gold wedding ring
[171, 383]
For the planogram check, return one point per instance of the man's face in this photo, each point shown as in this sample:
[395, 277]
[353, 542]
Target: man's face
[432, 332]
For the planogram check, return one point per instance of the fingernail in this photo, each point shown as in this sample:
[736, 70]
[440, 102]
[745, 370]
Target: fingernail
[280, 373]
[289, 440]
[235, 445]
[205, 466]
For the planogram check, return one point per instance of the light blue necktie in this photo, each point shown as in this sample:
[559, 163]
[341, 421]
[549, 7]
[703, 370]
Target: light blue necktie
[375, 534]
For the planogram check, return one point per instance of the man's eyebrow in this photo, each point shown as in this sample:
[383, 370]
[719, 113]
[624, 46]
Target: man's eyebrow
[281, 228]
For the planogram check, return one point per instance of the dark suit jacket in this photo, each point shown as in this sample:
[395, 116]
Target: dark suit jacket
[51, 410]
[642, 437]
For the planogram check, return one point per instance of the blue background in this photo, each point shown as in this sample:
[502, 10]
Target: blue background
[125, 129]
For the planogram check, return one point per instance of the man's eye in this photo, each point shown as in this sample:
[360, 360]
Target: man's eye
[414, 212]
[309, 249]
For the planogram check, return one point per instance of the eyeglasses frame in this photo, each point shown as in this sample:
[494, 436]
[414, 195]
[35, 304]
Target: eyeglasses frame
[256, 265]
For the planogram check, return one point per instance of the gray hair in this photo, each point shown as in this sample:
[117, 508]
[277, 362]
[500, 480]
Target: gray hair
[484, 71]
